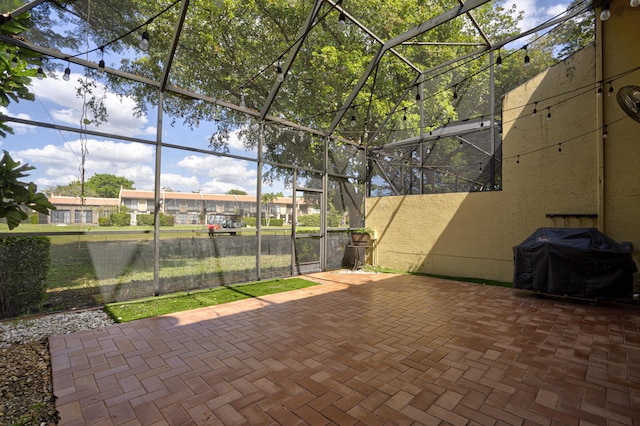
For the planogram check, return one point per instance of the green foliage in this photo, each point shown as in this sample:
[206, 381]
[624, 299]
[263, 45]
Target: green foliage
[272, 222]
[310, 220]
[98, 185]
[144, 220]
[167, 220]
[148, 220]
[236, 192]
[108, 186]
[24, 262]
[16, 195]
[104, 221]
[15, 71]
[249, 221]
[121, 219]
[124, 312]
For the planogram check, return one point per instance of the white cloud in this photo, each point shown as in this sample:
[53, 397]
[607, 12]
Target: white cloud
[60, 164]
[178, 182]
[225, 173]
[536, 11]
[120, 109]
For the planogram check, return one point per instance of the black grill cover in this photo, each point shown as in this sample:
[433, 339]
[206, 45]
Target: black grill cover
[575, 262]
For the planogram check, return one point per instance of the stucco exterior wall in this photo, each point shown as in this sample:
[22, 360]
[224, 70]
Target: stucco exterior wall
[556, 166]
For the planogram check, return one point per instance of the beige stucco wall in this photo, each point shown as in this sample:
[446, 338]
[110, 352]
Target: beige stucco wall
[555, 166]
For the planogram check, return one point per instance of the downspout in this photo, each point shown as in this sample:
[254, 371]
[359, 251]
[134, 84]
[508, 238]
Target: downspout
[600, 190]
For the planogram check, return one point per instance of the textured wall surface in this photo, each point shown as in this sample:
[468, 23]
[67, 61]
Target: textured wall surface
[556, 166]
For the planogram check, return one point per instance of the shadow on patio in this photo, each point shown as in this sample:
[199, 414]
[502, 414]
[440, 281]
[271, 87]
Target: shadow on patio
[360, 348]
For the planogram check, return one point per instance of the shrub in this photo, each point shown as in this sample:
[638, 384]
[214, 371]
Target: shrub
[167, 220]
[310, 220]
[24, 262]
[273, 222]
[148, 220]
[104, 221]
[249, 221]
[144, 220]
[121, 219]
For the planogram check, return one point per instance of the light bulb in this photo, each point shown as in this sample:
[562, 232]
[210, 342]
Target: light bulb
[342, 22]
[101, 67]
[499, 61]
[242, 102]
[605, 14]
[40, 73]
[353, 121]
[599, 92]
[279, 74]
[634, 3]
[8, 53]
[67, 74]
[527, 60]
[144, 41]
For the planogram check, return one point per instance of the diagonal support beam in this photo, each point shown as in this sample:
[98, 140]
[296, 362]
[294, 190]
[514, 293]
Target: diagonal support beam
[412, 33]
[174, 45]
[302, 35]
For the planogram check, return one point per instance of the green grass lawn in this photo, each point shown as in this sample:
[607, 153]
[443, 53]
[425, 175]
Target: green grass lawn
[177, 302]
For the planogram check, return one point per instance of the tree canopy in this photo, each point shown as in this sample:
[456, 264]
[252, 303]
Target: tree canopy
[98, 185]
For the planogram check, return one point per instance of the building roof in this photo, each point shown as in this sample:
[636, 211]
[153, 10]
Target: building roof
[63, 200]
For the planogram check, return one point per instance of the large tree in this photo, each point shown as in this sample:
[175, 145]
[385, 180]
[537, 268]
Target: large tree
[98, 185]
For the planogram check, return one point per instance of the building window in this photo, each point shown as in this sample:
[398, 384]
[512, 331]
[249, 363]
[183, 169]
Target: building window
[60, 216]
[83, 216]
[130, 204]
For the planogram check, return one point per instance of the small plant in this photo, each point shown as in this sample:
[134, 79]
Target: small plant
[16, 196]
[367, 231]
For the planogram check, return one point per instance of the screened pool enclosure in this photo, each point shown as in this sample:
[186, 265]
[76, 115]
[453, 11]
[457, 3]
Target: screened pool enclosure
[316, 103]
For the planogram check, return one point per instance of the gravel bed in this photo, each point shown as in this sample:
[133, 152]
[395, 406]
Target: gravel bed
[26, 394]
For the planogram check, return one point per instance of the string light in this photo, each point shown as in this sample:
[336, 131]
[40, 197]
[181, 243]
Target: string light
[455, 91]
[518, 159]
[279, 73]
[8, 53]
[342, 22]
[40, 73]
[101, 63]
[242, 102]
[634, 3]
[610, 89]
[527, 60]
[353, 117]
[605, 133]
[144, 41]
[560, 147]
[535, 108]
[548, 113]
[499, 60]
[599, 91]
[67, 73]
[605, 14]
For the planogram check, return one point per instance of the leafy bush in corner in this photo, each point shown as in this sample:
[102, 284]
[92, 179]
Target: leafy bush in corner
[120, 219]
[104, 221]
[24, 262]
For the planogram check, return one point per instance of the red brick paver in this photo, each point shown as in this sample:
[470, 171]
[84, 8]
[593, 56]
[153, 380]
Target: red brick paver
[360, 349]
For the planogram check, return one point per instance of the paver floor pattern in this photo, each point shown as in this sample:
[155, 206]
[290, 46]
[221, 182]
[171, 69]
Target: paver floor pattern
[360, 349]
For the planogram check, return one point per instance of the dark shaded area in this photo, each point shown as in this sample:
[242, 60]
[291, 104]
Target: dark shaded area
[76, 264]
[579, 262]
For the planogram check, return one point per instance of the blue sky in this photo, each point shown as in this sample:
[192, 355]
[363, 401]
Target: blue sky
[56, 155]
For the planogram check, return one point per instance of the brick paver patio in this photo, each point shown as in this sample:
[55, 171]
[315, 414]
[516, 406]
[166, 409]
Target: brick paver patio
[360, 349]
